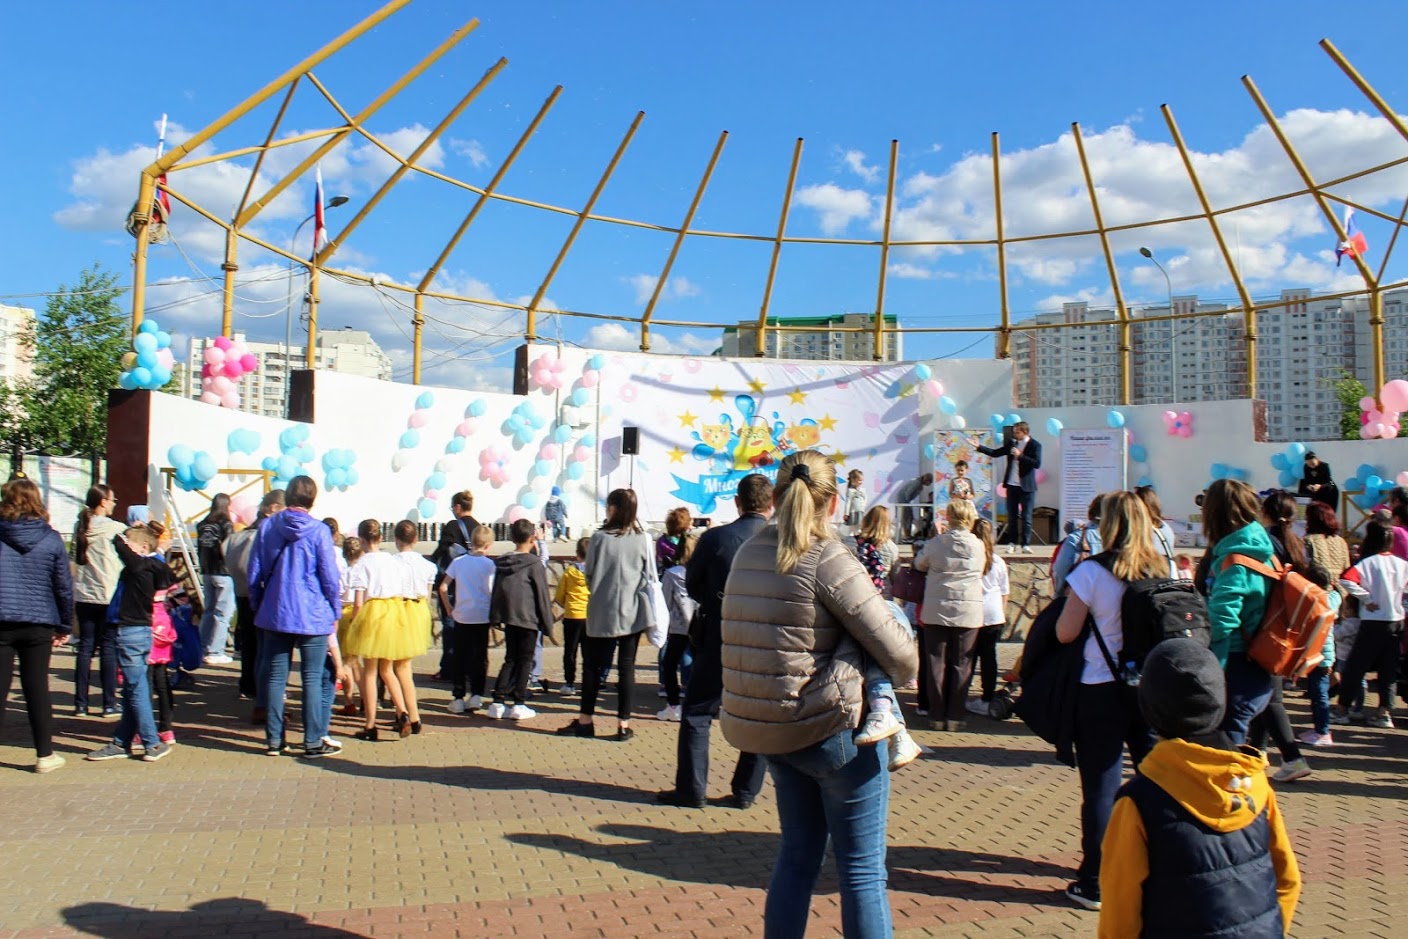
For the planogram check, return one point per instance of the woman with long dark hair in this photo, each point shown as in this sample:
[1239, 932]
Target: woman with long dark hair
[620, 558]
[36, 608]
[219, 585]
[93, 587]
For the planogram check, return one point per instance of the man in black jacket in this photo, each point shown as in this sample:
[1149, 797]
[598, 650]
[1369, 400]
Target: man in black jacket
[1023, 455]
[705, 578]
[454, 540]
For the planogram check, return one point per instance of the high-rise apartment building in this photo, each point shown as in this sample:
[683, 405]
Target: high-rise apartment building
[16, 351]
[1302, 346]
[814, 337]
[264, 391]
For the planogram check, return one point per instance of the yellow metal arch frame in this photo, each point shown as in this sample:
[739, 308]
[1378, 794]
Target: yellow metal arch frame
[180, 158]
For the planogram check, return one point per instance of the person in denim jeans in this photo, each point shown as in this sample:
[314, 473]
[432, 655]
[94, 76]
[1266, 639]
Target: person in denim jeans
[296, 590]
[211, 534]
[800, 615]
[94, 583]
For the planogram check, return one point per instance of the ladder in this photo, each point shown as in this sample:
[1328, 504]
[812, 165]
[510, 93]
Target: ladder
[189, 570]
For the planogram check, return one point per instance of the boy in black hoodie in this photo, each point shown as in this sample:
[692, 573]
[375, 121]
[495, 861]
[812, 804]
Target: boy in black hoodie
[143, 578]
[522, 605]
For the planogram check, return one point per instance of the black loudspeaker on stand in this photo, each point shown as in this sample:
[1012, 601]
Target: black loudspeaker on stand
[630, 446]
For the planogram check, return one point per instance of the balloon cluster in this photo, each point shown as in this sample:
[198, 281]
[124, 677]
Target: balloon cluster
[148, 366]
[999, 421]
[1223, 471]
[1139, 457]
[242, 441]
[493, 466]
[339, 473]
[194, 468]
[545, 372]
[1178, 423]
[524, 422]
[410, 437]
[226, 362]
[580, 456]
[1376, 422]
[466, 428]
[1371, 480]
[294, 452]
[1290, 463]
[1114, 419]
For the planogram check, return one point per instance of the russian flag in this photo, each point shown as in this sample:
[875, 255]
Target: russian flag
[320, 232]
[1354, 244]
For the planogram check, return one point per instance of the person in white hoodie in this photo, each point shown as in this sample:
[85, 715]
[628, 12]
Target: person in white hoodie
[675, 665]
[1379, 581]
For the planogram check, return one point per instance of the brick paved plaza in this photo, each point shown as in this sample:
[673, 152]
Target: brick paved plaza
[478, 828]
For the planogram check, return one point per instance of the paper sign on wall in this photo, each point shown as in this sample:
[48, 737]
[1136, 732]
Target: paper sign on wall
[1093, 462]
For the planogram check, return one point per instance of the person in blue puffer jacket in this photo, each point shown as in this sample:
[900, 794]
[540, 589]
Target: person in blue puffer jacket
[36, 607]
[296, 592]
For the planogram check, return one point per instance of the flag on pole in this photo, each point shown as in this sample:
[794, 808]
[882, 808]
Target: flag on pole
[320, 232]
[161, 206]
[1354, 244]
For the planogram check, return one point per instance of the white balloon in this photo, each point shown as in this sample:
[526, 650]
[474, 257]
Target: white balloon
[541, 483]
[445, 464]
[958, 421]
[398, 462]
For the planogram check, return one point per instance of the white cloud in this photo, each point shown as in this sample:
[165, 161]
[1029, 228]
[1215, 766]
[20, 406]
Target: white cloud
[678, 287]
[906, 271]
[854, 161]
[614, 336]
[472, 150]
[1095, 297]
[837, 207]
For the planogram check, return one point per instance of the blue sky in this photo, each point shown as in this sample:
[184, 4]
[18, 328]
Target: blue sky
[848, 78]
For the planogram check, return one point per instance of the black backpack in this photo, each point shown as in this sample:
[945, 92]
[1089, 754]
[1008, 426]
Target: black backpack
[1155, 609]
[1050, 673]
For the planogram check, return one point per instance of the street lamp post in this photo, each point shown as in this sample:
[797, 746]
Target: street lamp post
[1172, 323]
[332, 203]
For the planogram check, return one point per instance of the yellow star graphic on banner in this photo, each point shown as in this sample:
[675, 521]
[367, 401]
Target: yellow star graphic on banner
[827, 423]
[676, 455]
[838, 458]
[687, 419]
[717, 395]
[797, 395]
[757, 385]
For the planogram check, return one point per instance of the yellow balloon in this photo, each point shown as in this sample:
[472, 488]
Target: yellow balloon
[129, 359]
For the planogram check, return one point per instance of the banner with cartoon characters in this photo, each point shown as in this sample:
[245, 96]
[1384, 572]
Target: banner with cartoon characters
[975, 479]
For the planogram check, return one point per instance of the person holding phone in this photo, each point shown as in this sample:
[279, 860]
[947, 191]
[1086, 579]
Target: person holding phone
[1023, 454]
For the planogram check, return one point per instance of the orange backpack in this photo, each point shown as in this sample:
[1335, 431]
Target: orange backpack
[1291, 637]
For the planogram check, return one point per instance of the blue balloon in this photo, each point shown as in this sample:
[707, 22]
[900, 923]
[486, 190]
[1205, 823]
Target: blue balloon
[1373, 484]
[1366, 501]
[575, 471]
[148, 326]
[524, 436]
[928, 451]
[1365, 471]
[436, 480]
[476, 408]
[1054, 427]
[529, 500]
[160, 376]
[337, 476]
[543, 467]
[242, 441]
[147, 360]
[269, 464]
[1138, 453]
[426, 508]
[142, 377]
[1296, 451]
[352, 477]
[1144, 481]
[126, 382]
[163, 339]
[596, 362]
[1114, 419]
[425, 400]
[563, 433]
[1219, 470]
[305, 453]
[203, 467]
[1014, 418]
[410, 439]
[144, 342]
[997, 420]
[287, 467]
[1279, 462]
[288, 437]
[922, 372]
[1287, 478]
[1237, 473]
[948, 405]
[588, 441]
[180, 455]
[185, 478]
[580, 397]
[456, 445]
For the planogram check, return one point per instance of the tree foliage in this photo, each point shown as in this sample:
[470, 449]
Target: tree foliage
[1348, 392]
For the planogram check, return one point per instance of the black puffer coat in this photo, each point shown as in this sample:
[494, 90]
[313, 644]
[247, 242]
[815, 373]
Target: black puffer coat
[35, 584]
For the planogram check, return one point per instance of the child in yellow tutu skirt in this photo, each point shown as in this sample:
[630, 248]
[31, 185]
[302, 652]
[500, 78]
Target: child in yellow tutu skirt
[351, 672]
[390, 626]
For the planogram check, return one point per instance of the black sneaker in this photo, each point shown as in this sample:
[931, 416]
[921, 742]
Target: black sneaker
[742, 803]
[320, 751]
[1083, 896]
[678, 800]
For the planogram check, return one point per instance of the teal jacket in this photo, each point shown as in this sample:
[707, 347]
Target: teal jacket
[1237, 596]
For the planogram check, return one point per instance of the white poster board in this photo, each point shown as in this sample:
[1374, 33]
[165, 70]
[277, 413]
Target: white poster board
[63, 483]
[1093, 462]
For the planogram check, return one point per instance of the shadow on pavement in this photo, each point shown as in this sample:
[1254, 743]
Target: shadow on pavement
[210, 918]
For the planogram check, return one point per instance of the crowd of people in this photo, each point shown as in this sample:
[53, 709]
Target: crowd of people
[782, 625]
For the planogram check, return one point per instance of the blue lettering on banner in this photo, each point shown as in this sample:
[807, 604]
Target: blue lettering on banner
[707, 490]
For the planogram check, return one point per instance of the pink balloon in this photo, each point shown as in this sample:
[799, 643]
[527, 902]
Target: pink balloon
[549, 452]
[232, 368]
[231, 400]
[432, 494]
[934, 388]
[209, 397]
[518, 512]
[164, 358]
[214, 356]
[1041, 477]
[589, 379]
[1002, 491]
[1367, 403]
[872, 419]
[1394, 395]
[465, 428]
[581, 454]
[1364, 418]
[218, 384]
[1369, 431]
[1389, 431]
[1375, 416]
[1185, 431]
[248, 362]
[1170, 416]
[223, 342]
[417, 419]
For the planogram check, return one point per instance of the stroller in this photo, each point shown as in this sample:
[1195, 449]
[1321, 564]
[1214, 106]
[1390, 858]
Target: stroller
[1004, 701]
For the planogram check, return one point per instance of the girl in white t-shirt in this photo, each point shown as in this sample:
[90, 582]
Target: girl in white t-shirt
[351, 672]
[995, 590]
[1107, 714]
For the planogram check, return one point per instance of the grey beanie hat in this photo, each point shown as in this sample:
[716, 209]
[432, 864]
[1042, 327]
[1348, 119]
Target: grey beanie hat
[1182, 691]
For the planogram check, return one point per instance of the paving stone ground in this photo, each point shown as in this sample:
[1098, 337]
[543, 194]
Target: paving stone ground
[482, 828]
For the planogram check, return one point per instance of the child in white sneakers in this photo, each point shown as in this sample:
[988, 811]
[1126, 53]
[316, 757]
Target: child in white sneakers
[521, 604]
[883, 716]
[466, 591]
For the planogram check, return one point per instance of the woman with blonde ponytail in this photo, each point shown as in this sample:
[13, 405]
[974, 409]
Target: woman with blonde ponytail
[800, 616]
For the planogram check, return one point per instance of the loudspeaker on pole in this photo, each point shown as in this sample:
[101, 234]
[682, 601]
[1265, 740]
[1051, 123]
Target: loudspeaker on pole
[630, 441]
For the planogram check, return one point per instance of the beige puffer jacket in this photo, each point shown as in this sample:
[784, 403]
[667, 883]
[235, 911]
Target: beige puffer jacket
[953, 586]
[793, 644]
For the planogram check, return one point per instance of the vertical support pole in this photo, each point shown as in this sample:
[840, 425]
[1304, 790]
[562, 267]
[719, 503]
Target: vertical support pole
[418, 322]
[1376, 322]
[679, 241]
[1121, 311]
[1248, 307]
[760, 338]
[530, 331]
[1004, 335]
[230, 266]
[878, 353]
[310, 354]
[146, 191]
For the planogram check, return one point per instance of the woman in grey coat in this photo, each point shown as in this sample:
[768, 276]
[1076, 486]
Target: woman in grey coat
[619, 560]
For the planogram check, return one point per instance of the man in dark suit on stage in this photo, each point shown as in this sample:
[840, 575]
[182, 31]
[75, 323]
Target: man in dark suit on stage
[1023, 460]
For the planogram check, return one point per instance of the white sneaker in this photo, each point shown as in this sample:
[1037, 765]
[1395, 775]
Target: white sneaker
[332, 744]
[669, 713]
[520, 712]
[877, 726]
[1381, 719]
[475, 702]
[47, 764]
[456, 706]
[1311, 739]
[978, 706]
[1290, 772]
[1026, 549]
[218, 658]
[903, 750]
[496, 712]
